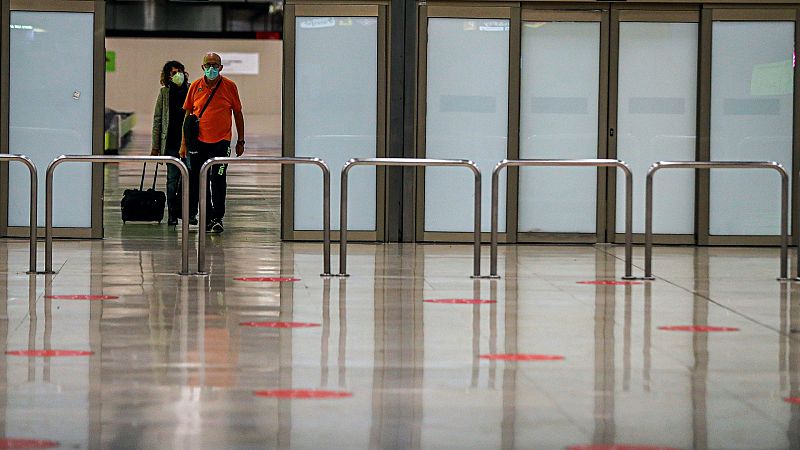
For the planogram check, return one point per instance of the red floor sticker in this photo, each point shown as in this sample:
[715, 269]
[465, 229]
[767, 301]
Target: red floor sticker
[697, 328]
[268, 279]
[460, 301]
[279, 324]
[792, 400]
[49, 353]
[8, 443]
[618, 447]
[81, 297]
[302, 393]
[521, 357]
[610, 282]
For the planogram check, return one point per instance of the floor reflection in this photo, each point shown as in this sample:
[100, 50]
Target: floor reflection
[172, 366]
[699, 370]
[397, 374]
[793, 366]
[604, 345]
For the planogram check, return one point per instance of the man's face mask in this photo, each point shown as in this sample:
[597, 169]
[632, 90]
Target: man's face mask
[211, 72]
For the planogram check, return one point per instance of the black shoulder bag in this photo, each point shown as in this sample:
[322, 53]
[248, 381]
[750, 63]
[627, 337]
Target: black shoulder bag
[191, 125]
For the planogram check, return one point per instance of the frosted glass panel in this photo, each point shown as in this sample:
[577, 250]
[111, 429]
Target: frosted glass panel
[467, 117]
[50, 111]
[558, 113]
[656, 121]
[336, 107]
[751, 119]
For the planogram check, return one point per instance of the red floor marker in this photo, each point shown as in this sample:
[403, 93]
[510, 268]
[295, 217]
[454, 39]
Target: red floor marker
[302, 394]
[269, 279]
[697, 328]
[610, 282]
[618, 447]
[8, 443]
[81, 297]
[460, 301]
[49, 353]
[279, 324]
[521, 357]
[792, 400]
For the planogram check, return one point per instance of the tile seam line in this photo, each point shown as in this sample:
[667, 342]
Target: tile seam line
[705, 297]
[575, 422]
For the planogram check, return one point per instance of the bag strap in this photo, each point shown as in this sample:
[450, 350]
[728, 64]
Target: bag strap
[155, 175]
[141, 183]
[213, 91]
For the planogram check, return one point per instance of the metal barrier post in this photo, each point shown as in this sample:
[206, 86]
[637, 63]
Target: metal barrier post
[48, 230]
[409, 162]
[32, 224]
[565, 163]
[326, 200]
[648, 219]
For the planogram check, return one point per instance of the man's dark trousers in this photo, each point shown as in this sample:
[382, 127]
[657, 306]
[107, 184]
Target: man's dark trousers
[217, 183]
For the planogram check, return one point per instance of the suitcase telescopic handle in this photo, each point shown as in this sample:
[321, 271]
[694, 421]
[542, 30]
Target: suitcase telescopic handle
[141, 183]
[155, 177]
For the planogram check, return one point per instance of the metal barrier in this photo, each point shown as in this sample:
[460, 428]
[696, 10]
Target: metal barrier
[326, 200]
[33, 204]
[566, 163]
[648, 226]
[412, 162]
[48, 230]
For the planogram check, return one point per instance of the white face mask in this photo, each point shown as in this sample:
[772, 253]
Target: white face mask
[178, 79]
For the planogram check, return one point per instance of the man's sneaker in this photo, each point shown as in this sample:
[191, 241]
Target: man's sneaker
[216, 226]
[172, 221]
[193, 220]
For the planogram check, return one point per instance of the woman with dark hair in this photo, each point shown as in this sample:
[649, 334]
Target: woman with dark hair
[168, 130]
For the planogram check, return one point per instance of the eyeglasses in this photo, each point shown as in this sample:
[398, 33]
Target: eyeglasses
[210, 65]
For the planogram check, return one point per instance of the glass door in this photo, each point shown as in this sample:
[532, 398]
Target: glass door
[53, 115]
[463, 114]
[752, 106]
[631, 82]
[653, 116]
[562, 116]
[335, 110]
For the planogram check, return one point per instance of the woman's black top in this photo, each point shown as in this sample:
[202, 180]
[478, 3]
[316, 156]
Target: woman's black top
[177, 95]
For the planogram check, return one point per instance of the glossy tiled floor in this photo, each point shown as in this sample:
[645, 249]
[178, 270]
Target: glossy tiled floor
[172, 366]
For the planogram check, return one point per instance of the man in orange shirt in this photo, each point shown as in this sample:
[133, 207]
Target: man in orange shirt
[215, 136]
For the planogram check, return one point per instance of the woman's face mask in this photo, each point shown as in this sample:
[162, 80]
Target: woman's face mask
[178, 79]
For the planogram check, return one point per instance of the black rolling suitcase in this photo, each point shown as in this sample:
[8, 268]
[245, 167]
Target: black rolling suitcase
[139, 205]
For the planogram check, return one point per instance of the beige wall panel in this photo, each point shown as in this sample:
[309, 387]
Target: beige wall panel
[135, 83]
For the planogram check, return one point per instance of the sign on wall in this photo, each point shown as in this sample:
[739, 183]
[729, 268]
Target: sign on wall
[111, 61]
[240, 63]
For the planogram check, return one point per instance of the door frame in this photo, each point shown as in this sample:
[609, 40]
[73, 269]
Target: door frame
[711, 14]
[658, 14]
[502, 11]
[574, 13]
[97, 8]
[296, 9]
